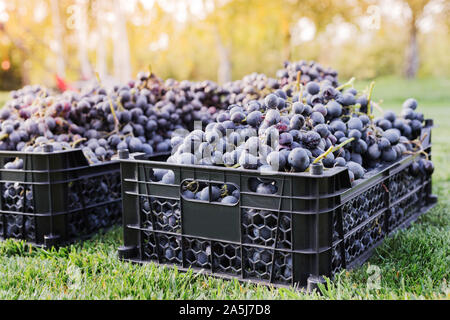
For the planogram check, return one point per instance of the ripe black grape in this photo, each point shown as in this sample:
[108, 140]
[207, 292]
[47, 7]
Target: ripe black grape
[334, 109]
[410, 103]
[311, 139]
[298, 159]
[229, 200]
[312, 88]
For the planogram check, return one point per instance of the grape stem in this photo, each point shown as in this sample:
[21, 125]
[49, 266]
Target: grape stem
[376, 105]
[423, 138]
[308, 121]
[339, 146]
[111, 106]
[190, 185]
[418, 143]
[119, 104]
[369, 111]
[77, 142]
[224, 191]
[323, 155]
[38, 97]
[150, 70]
[237, 165]
[353, 112]
[349, 83]
[297, 83]
[421, 151]
[332, 149]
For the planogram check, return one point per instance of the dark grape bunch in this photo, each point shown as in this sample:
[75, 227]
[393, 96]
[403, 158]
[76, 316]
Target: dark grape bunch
[195, 190]
[421, 167]
[220, 193]
[140, 115]
[309, 71]
[254, 123]
[256, 86]
[289, 130]
[251, 87]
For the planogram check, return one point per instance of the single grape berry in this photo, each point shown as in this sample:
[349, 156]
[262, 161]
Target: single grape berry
[311, 139]
[355, 123]
[298, 159]
[312, 88]
[410, 104]
[271, 101]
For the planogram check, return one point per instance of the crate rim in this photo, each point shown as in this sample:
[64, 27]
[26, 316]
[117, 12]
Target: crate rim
[330, 172]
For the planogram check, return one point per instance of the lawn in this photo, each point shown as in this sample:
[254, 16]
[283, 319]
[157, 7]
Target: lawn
[4, 96]
[414, 263]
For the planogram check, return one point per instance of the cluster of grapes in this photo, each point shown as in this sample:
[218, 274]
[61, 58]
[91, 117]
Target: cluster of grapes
[291, 129]
[251, 87]
[309, 71]
[140, 116]
[222, 193]
[263, 186]
[421, 167]
[256, 86]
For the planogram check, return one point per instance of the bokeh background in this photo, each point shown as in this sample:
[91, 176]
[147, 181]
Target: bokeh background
[54, 42]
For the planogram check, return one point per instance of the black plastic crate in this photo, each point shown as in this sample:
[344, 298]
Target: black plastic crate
[58, 197]
[313, 225]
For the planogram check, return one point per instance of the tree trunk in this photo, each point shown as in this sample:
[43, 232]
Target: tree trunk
[122, 66]
[102, 31]
[412, 52]
[58, 32]
[24, 52]
[286, 42]
[82, 31]
[287, 51]
[224, 70]
[25, 70]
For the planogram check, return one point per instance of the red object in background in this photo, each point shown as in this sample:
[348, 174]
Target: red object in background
[6, 65]
[62, 84]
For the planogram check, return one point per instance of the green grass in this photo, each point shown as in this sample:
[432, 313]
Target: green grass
[4, 96]
[414, 263]
[393, 91]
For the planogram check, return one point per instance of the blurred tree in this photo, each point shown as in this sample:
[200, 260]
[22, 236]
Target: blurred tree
[263, 30]
[121, 51]
[224, 71]
[58, 39]
[321, 13]
[101, 31]
[10, 67]
[22, 49]
[220, 39]
[412, 50]
[417, 9]
[79, 14]
[435, 44]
